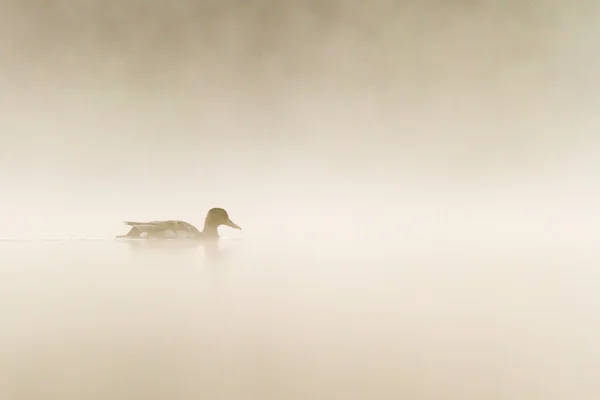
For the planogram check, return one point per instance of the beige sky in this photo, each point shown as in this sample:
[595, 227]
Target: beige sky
[116, 108]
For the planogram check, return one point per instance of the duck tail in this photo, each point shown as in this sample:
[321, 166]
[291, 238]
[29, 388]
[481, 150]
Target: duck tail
[132, 223]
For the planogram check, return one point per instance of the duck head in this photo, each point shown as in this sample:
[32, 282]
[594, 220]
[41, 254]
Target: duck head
[215, 218]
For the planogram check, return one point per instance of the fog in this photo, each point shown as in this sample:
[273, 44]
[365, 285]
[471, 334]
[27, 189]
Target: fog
[417, 184]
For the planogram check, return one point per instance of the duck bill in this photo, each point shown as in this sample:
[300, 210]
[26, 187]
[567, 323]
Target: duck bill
[232, 224]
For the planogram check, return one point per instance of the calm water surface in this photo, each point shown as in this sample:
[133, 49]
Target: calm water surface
[249, 320]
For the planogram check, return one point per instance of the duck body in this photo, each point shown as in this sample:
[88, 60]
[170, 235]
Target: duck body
[169, 229]
[177, 229]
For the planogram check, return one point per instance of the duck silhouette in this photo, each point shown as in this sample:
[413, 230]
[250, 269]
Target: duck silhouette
[177, 229]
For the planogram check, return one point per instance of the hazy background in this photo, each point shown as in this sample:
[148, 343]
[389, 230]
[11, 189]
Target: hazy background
[296, 111]
[397, 166]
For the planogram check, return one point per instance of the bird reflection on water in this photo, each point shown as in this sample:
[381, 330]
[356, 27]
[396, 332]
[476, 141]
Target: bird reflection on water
[216, 253]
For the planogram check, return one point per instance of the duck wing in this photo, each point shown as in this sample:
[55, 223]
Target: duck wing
[142, 224]
[150, 226]
[174, 225]
[183, 226]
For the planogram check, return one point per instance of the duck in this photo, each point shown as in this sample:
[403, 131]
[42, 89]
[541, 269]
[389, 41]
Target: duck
[177, 229]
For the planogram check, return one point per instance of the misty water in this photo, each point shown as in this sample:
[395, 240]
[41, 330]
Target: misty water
[417, 184]
[267, 317]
